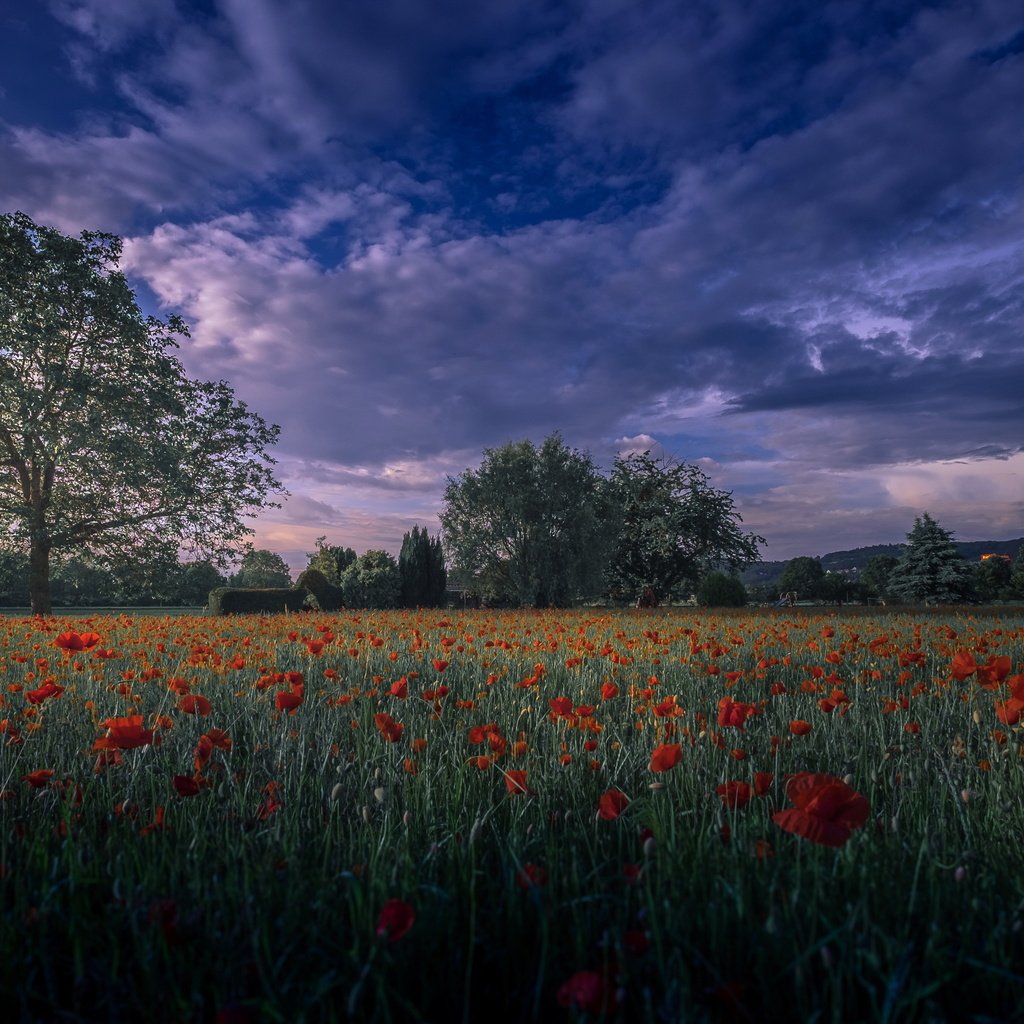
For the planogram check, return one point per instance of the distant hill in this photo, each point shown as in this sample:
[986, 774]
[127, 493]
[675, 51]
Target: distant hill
[854, 560]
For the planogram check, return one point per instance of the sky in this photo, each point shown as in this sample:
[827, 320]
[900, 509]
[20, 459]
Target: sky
[783, 240]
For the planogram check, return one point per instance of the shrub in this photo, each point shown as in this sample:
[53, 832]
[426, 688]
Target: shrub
[328, 597]
[247, 600]
[719, 590]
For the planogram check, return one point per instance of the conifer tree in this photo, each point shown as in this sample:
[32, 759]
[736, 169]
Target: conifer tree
[421, 563]
[930, 569]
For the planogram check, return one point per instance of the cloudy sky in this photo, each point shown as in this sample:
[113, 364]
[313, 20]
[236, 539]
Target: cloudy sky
[783, 240]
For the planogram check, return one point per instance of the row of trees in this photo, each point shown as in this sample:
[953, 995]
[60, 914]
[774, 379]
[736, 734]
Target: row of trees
[930, 569]
[540, 525]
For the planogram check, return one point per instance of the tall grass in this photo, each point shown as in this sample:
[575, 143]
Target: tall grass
[259, 897]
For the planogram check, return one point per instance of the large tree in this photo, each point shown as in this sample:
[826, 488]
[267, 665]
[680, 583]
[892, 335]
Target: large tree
[528, 524]
[930, 568]
[672, 529]
[107, 447]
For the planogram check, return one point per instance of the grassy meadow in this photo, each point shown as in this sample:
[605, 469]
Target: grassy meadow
[490, 816]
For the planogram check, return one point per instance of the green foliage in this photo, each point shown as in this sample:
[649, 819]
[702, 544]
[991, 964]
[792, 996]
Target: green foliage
[930, 570]
[671, 528]
[107, 447]
[721, 590]
[262, 568]
[196, 580]
[372, 581]
[876, 575]
[803, 576]
[252, 600]
[1017, 574]
[422, 567]
[329, 598]
[13, 579]
[530, 524]
[992, 579]
[331, 560]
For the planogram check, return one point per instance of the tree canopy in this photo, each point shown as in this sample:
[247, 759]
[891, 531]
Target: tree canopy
[671, 529]
[261, 567]
[803, 576]
[529, 525]
[107, 447]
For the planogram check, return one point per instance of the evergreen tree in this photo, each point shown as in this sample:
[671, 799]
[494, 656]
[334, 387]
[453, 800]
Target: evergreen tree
[421, 565]
[930, 569]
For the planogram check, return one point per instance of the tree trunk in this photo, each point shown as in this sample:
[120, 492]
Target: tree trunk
[39, 577]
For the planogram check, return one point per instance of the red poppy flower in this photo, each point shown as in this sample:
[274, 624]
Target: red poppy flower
[72, 641]
[665, 756]
[400, 688]
[439, 664]
[388, 727]
[612, 803]
[587, 991]
[185, 785]
[194, 704]
[826, 809]
[734, 713]
[515, 782]
[763, 782]
[395, 920]
[798, 727]
[124, 734]
[734, 795]
[48, 689]
[39, 778]
[287, 700]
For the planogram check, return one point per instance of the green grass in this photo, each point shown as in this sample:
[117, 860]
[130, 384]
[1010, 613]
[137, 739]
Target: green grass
[918, 917]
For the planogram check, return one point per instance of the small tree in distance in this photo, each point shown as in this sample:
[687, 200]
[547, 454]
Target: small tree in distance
[262, 568]
[372, 581]
[720, 590]
[330, 559]
[930, 570]
[802, 576]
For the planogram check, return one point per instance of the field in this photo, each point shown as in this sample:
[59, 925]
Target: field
[490, 816]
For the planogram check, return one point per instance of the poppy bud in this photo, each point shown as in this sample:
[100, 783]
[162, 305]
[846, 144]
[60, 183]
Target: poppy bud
[379, 794]
[365, 812]
[406, 818]
[336, 792]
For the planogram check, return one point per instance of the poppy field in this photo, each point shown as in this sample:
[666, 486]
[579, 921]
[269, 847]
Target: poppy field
[481, 815]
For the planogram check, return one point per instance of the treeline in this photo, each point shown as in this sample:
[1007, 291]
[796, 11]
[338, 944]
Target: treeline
[929, 568]
[84, 582]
